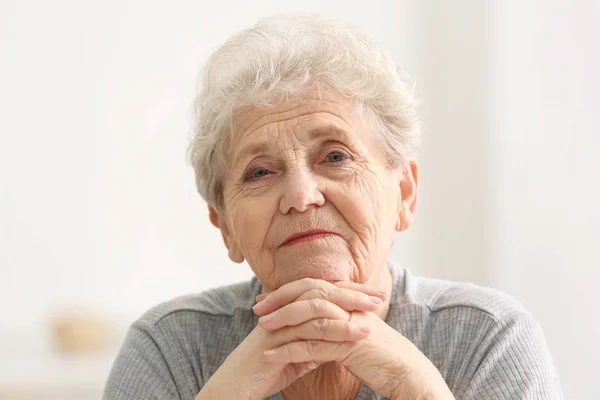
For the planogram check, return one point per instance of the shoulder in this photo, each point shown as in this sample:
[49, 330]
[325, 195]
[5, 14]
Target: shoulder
[471, 332]
[439, 296]
[180, 342]
[223, 301]
[454, 300]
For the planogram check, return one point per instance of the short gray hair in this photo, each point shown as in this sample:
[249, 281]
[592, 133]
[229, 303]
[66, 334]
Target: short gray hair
[286, 55]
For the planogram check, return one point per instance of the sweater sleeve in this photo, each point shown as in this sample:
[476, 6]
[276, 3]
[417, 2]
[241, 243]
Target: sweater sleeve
[515, 363]
[140, 371]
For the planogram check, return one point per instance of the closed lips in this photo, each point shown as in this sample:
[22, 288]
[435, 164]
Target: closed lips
[308, 235]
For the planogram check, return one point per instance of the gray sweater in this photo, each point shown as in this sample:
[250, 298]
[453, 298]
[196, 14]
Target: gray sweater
[484, 343]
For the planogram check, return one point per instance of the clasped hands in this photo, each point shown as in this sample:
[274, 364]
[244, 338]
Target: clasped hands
[308, 322]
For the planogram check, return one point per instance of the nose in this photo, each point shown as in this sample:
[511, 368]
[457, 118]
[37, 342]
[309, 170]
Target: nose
[301, 190]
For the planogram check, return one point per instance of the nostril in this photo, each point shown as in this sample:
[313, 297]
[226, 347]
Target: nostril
[302, 190]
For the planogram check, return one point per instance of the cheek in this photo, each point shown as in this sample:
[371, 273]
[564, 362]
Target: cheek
[358, 200]
[253, 219]
[366, 203]
[252, 216]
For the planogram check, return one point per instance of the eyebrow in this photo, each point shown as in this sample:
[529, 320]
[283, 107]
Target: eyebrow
[265, 147]
[255, 148]
[328, 130]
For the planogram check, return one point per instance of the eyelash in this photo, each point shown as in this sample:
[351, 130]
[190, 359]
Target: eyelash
[250, 175]
[341, 153]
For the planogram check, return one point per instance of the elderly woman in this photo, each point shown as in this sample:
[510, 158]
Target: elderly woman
[304, 150]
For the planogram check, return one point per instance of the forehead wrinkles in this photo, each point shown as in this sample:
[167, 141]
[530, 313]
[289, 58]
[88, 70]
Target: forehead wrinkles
[285, 138]
[250, 119]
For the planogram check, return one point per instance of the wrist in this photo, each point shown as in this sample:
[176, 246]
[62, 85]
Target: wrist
[215, 389]
[423, 384]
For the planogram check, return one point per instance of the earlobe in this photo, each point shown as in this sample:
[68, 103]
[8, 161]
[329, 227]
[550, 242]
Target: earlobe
[408, 194]
[213, 215]
[400, 218]
[235, 254]
[407, 216]
[218, 220]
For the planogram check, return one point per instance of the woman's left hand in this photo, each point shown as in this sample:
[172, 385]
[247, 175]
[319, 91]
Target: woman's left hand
[386, 361]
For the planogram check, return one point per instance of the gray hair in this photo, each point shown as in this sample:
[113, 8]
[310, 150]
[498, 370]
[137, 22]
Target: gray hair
[287, 55]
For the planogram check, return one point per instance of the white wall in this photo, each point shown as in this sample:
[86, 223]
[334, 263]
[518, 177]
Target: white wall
[545, 98]
[510, 167]
[98, 208]
[448, 60]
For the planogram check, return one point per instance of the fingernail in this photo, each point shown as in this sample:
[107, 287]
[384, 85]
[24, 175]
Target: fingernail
[265, 319]
[270, 353]
[365, 329]
[376, 300]
[258, 306]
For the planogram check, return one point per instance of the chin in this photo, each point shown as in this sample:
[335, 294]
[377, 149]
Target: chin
[315, 266]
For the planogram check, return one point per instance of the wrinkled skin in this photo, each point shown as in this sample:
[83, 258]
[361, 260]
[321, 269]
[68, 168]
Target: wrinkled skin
[313, 164]
[312, 175]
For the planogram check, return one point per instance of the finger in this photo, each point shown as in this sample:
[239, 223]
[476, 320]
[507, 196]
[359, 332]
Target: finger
[261, 297]
[290, 292]
[368, 289]
[302, 311]
[330, 330]
[309, 350]
[348, 299]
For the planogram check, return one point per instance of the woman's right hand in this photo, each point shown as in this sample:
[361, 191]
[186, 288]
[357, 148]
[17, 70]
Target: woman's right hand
[246, 375]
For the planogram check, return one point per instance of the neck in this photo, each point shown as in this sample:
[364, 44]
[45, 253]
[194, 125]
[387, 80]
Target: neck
[329, 381]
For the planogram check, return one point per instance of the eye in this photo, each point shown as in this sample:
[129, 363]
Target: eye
[336, 157]
[257, 174]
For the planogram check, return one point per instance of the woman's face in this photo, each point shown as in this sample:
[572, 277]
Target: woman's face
[308, 193]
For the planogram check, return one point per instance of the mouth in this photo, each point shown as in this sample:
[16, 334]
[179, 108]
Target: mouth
[313, 234]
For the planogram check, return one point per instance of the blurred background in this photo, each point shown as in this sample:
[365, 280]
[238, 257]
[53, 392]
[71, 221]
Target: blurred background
[100, 220]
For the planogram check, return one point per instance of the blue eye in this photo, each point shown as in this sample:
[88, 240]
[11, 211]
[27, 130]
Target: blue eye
[336, 157]
[258, 173]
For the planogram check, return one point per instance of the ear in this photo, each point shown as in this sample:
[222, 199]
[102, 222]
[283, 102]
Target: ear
[409, 183]
[219, 220]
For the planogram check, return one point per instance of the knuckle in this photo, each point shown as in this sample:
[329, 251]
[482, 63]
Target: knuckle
[321, 326]
[310, 348]
[309, 282]
[323, 292]
[317, 306]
